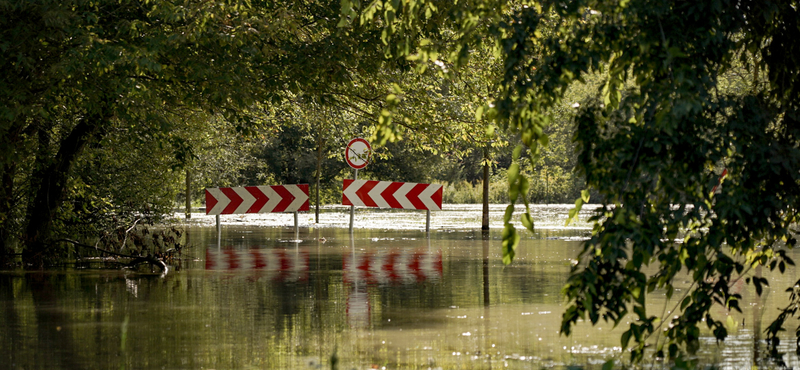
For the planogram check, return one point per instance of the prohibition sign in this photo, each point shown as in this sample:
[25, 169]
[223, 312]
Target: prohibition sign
[358, 153]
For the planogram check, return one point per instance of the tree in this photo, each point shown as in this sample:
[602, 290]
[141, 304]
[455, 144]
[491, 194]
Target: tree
[303, 140]
[75, 71]
[652, 152]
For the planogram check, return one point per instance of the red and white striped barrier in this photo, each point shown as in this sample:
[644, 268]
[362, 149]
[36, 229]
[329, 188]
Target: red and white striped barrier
[257, 199]
[388, 194]
[396, 266]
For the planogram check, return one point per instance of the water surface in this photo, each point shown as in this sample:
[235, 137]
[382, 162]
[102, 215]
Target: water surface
[386, 296]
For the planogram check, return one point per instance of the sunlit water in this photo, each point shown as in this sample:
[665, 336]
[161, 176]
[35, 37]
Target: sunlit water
[387, 296]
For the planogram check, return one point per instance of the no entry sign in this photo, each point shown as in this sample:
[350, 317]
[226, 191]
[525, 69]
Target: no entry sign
[357, 153]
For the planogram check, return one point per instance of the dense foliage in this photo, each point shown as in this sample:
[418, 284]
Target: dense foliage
[689, 89]
[92, 90]
[110, 105]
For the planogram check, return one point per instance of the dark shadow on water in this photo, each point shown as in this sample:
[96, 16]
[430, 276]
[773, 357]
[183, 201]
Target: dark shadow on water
[53, 329]
[10, 327]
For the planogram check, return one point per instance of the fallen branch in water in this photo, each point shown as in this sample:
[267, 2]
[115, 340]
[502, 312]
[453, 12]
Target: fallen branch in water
[127, 232]
[135, 260]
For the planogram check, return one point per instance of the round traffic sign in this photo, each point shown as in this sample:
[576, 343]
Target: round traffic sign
[358, 153]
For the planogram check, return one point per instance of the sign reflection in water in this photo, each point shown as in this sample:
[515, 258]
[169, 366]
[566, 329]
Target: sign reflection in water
[288, 265]
[384, 267]
[400, 266]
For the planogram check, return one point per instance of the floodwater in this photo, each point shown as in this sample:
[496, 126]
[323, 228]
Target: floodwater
[386, 296]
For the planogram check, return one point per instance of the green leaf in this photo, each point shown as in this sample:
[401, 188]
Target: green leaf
[685, 303]
[490, 130]
[626, 337]
[509, 212]
[544, 140]
[573, 213]
[516, 153]
[635, 292]
[527, 221]
[479, 114]
[524, 187]
[510, 243]
[513, 182]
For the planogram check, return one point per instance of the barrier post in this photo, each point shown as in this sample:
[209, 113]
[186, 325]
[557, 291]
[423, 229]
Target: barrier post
[352, 208]
[219, 233]
[428, 222]
[296, 227]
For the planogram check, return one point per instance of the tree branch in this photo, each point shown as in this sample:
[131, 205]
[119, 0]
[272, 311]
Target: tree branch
[135, 260]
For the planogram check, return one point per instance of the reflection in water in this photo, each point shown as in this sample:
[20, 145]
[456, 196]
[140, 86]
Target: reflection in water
[485, 238]
[13, 324]
[54, 332]
[397, 266]
[384, 267]
[280, 264]
[393, 299]
[485, 241]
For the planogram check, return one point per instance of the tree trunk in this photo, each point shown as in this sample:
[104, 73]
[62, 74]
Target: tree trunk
[49, 185]
[188, 194]
[7, 204]
[6, 212]
[485, 221]
[319, 171]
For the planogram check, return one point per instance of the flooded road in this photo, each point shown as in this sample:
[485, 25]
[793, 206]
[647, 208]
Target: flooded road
[386, 296]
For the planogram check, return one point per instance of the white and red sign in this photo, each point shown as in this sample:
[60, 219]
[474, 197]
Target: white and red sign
[257, 199]
[358, 153]
[388, 194]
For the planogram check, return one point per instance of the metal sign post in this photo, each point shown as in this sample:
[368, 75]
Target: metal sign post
[352, 207]
[428, 222]
[219, 234]
[296, 227]
[357, 155]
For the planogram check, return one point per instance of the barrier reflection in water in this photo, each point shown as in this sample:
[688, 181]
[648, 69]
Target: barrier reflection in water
[393, 266]
[288, 265]
[384, 267]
